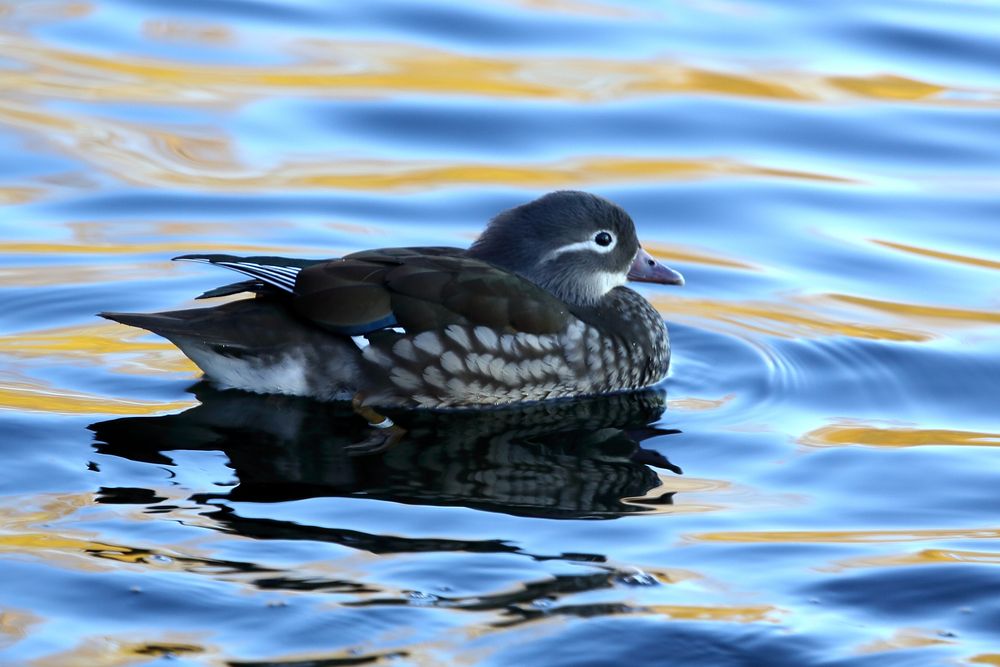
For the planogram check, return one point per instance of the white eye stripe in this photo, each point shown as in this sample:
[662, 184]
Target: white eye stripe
[589, 244]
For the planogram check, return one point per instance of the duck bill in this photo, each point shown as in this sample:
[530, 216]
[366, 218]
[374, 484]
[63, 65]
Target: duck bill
[645, 269]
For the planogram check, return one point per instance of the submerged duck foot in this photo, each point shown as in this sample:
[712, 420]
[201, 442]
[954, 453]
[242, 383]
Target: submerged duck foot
[383, 437]
[384, 432]
[369, 414]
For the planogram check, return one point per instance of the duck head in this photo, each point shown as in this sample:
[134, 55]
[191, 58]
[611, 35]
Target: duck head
[576, 245]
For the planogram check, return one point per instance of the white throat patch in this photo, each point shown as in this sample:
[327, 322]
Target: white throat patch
[605, 281]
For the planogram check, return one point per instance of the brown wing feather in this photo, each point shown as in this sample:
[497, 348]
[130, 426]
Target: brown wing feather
[422, 289]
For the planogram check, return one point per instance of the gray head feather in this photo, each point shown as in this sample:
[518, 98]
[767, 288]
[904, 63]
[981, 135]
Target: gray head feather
[536, 240]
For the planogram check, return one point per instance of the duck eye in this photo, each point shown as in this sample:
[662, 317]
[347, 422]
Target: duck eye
[603, 239]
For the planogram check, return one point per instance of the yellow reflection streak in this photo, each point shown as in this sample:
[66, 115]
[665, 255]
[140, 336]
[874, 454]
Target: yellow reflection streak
[748, 614]
[41, 275]
[986, 659]
[16, 625]
[919, 312]
[923, 557]
[33, 530]
[905, 638]
[846, 536]
[671, 253]
[34, 248]
[176, 31]
[46, 11]
[42, 530]
[582, 8]
[355, 67]
[886, 87]
[699, 404]
[39, 397]
[937, 254]
[695, 495]
[52, 542]
[375, 174]
[815, 315]
[692, 489]
[786, 320]
[93, 344]
[19, 195]
[114, 651]
[112, 232]
[897, 436]
[99, 339]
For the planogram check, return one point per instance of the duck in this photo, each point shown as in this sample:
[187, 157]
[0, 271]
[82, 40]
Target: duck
[536, 309]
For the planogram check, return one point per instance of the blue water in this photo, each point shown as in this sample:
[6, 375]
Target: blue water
[818, 486]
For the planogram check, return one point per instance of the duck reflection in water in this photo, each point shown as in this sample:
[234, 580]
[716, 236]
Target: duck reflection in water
[569, 459]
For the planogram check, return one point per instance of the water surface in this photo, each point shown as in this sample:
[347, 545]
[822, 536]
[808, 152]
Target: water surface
[818, 485]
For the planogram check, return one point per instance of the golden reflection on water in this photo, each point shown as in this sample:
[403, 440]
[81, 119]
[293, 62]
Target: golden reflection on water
[12, 195]
[846, 536]
[887, 87]
[121, 651]
[47, 530]
[905, 638]
[798, 317]
[179, 247]
[858, 433]
[734, 614]
[355, 67]
[923, 313]
[389, 175]
[699, 404]
[979, 262]
[815, 315]
[922, 557]
[178, 31]
[16, 625]
[584, 8]
[693, 495]
[96, 344]
[104, 237]
[49, 542]
[45, 11]
[704, 257]
[55, 275]
[37, 528]
[122, 350]
[38, 396]
[698, 495]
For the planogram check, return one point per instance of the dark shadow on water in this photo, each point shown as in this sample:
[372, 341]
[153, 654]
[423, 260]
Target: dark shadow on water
[577, 459]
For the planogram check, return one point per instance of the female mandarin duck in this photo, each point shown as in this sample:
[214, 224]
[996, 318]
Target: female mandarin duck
[536, 309]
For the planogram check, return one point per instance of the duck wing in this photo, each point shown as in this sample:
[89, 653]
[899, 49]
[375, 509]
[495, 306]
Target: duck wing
[416, 289]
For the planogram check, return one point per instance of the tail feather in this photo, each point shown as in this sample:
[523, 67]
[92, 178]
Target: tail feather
[171, 325]
[258, 345]
[154, 322]
[261, 325]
